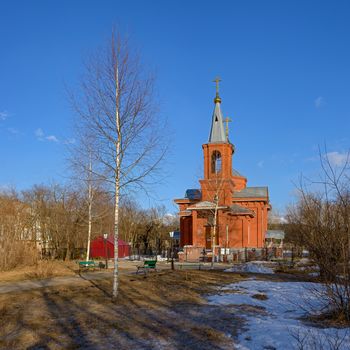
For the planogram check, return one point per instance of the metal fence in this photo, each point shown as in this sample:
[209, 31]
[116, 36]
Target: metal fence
[138, 254]
[266, 254]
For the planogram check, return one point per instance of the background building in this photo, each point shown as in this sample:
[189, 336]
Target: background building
[104, 248]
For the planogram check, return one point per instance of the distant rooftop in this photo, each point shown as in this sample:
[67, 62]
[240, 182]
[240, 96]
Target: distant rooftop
[276, 234]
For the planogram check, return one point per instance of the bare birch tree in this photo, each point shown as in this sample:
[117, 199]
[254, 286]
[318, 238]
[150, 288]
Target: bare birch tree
[217, 187]
[118, 118]
[82, 164]
[90, 200]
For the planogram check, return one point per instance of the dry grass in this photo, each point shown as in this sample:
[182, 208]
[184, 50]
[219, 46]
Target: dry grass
[15, 253]
[40, 269]
[156, 311]
[44, 269]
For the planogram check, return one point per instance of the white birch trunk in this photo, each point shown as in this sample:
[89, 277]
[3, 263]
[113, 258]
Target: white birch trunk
[214, 234]
[89, 212]
[117, 189]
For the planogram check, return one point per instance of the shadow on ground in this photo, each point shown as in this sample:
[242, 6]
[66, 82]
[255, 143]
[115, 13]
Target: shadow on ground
[159, 311]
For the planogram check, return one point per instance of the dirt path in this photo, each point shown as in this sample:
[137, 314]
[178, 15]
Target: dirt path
[76, 278]
[26, 285]
[69, 276]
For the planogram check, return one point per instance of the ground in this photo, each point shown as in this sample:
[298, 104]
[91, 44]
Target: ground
[159, 310]
[182, 309]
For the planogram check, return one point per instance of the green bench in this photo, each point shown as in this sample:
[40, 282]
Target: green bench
[147, 265]
[87, 265]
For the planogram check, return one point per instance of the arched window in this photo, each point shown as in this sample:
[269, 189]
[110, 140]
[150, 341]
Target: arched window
[216, 162]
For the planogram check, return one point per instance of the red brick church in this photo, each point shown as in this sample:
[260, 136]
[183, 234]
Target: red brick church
[224, 212]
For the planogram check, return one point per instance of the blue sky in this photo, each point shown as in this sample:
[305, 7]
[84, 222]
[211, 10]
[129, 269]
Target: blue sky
[285, 83]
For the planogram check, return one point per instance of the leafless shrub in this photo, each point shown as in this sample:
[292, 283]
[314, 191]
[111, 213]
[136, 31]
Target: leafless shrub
[43, 269]
[318, 339]
[320, 222]
[15, 248]
[14, 254]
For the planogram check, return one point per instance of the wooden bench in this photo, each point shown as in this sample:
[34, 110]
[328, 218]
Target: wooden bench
[147, 265]
[190, 266]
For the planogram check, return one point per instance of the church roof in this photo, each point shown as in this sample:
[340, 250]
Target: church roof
[239, 210]
[234, 209]
[205, 205]
[252, 192]
[217, 131]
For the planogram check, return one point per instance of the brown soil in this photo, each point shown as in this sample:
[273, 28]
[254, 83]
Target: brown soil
[154, 311]
[260, 296]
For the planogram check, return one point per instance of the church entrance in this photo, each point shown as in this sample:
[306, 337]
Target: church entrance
[208, 237]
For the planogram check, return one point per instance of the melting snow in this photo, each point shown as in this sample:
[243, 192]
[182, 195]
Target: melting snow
[275, 323]
[253, 266]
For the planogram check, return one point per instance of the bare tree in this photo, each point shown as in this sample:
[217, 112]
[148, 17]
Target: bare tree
[214, 187]
[117, 117]
[17, 237]
[131, 219]
[84, 177]
[214, 214]
[320, 221]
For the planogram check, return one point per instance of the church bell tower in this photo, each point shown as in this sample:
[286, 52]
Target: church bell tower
[224, 212]
[218, 183]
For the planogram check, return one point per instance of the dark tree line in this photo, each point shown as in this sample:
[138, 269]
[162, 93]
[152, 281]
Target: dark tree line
[52, 222]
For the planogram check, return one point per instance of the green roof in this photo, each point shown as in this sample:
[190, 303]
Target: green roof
[252, 192]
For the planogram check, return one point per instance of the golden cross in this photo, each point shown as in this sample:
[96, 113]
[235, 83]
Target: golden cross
[216, 81]
[227, 120]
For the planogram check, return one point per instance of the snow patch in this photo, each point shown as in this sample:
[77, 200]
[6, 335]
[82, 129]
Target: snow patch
[160, 258]
[252, 266]
[303, 261]
[277, 321]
